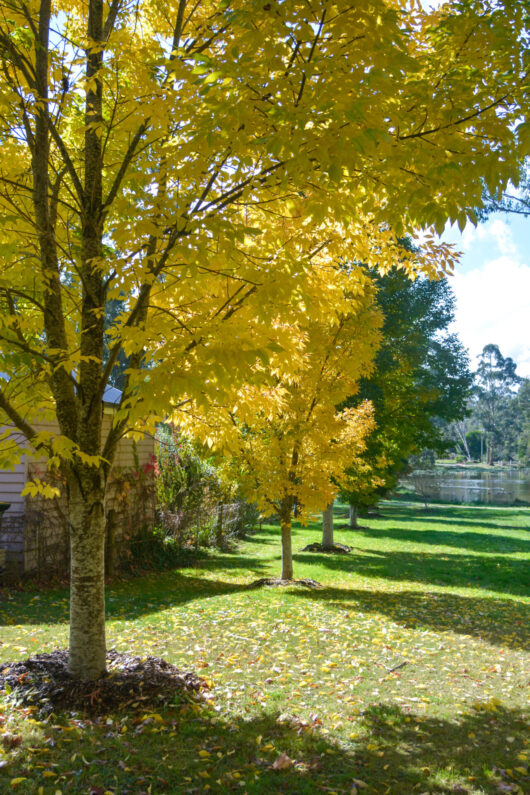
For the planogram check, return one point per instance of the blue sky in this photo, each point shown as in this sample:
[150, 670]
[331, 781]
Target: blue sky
[492, 287]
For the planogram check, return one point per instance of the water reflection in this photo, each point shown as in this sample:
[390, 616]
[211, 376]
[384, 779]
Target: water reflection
[508, 486]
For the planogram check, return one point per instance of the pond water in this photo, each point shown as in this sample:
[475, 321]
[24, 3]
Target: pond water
[506, 486]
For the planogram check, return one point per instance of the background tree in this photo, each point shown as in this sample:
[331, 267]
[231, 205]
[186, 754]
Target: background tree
[421, 378]
[188, 160]
[523, 444]
[495, 409]
[475, 444]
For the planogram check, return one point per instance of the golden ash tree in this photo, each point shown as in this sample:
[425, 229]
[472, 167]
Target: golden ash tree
[159, 153]
[282, 436]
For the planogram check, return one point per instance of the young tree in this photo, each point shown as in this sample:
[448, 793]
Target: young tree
[288, 440]
[187, 158]
[327, 527]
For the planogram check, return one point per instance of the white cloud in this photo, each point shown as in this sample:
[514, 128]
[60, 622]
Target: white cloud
[493, 305]
[495, 231]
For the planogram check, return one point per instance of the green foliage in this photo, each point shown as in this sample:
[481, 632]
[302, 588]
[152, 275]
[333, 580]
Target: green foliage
[185, 480]
[496, 406]
[197, 508]
[523, 399]
[156, 550]
[421, 380]
[475, 444]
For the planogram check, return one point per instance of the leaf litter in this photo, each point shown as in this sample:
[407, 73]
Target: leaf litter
[44, 681]
[408, 671]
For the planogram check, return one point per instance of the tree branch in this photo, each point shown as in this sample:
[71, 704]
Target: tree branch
[17, 419]
[111, 19]
[124, 166]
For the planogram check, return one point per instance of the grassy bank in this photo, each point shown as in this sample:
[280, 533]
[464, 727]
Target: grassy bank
[407, 672]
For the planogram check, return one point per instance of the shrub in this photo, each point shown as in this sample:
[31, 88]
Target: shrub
[196, 509]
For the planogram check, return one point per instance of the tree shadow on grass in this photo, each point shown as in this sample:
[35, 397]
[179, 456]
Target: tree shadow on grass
[195, 751]
[456, 515]
[495, 573]
[125, 600]
[503, 623]
[481, 542]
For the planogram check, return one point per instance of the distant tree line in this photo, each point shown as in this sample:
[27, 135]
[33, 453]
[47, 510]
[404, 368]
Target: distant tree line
[497, 426]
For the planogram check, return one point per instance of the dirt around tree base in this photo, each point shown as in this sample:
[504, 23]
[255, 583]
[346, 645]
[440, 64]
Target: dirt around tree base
[336, 549]
[277, 581]
[44, 681]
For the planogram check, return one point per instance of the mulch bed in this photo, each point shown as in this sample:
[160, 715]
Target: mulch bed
[44, 681]
[336, 549]
[277, 581]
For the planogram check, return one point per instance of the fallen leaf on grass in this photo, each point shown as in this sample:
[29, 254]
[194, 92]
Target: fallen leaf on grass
[282, 762]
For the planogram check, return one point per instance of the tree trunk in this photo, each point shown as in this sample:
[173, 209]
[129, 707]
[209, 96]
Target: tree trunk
[327, 527]
[461, 431]
[110, 542]
[354, 512]
[87, 583]
[287, 549]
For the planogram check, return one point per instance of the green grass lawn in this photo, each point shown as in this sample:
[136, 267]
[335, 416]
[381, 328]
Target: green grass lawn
[303, 694]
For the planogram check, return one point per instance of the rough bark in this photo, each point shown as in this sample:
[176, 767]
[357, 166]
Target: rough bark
[86, 485]
[327, 527]
[287, 548]
[354, 512]
[87, 581]
[110, 544]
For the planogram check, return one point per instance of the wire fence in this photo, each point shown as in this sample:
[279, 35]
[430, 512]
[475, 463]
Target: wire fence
[36, 543]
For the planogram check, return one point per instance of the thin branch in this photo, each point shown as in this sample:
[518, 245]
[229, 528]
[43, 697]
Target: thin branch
[310, 56]
[17, 419]
[111, 18]
[456, 123]
[113, 192]
[67, 160]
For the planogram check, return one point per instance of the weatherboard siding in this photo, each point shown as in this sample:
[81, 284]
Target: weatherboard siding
[11, 484]
[12, 481]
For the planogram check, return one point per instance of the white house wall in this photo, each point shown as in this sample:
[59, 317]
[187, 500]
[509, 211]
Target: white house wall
[12, 482]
